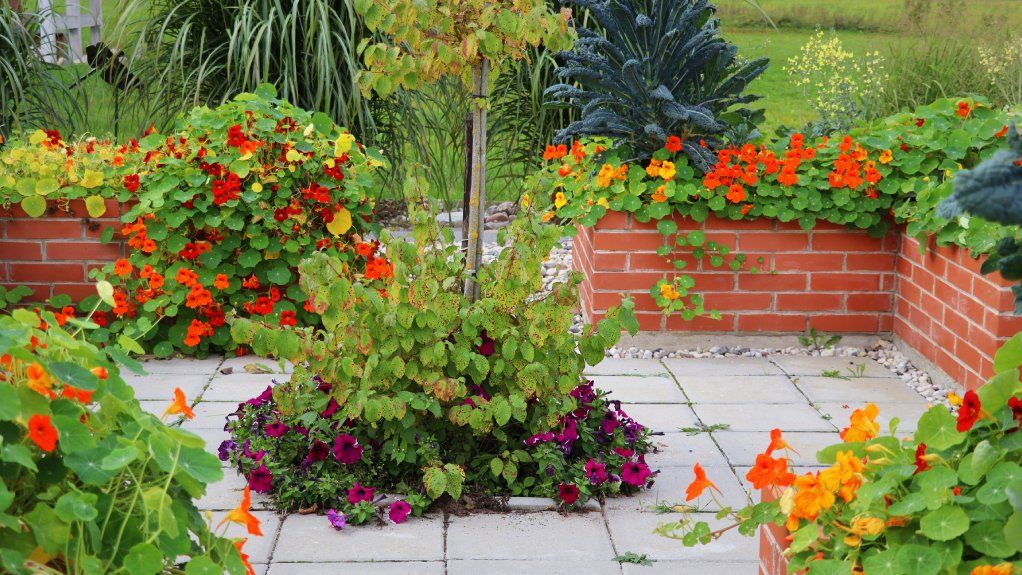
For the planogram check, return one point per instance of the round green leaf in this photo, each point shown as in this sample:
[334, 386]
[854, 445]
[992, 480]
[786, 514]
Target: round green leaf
[944, 523]
[143, 559]
[34, 206]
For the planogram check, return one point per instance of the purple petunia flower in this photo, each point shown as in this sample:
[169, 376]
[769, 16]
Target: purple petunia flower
[609, 423]
[486, 348]
[584, 393]
[540, 438]
[276, 429]
[331, 408]
[399, 511]
[346, 449]
[596, 472]
[226, 448]
[634, 473]
[337, 520]
[262, 398]
[260, 480]
[360, 493]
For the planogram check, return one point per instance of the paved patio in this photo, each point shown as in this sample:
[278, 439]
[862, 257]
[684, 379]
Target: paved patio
[738, 399]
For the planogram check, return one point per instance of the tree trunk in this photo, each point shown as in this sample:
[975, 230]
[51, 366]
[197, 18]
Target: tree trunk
[477, 193]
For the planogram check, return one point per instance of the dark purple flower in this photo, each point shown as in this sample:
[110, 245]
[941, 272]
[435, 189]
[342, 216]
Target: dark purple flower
[226, 448]
[596, 472]
[569, 434]
[331, 408]
[346, 449]
[322, 385]
[609, 423]
[302, 429]
[568, 493]
[399, 511]
[540, 438]
[634, 473]
[485, 348]
[360, 493]
[260, 480]
[253, 455]
[337, 520]
[262, 398]
[317, 452]
[276, 429]
[584, 393]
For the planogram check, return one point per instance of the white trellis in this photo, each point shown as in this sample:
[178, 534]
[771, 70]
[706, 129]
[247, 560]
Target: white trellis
[61, 34]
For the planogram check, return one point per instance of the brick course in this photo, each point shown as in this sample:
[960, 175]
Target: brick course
[53, 254]
[829, 278]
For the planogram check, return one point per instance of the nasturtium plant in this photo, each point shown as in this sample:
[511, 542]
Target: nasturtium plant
[944, 500]
[895, 170]
[89, 482]
[222, 209]
[412, 387]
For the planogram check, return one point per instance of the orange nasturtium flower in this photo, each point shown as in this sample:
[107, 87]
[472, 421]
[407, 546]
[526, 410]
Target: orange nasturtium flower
[221, 281]
[179, 405]
[122, 268]
[560, 201]
[846, 473]
[777, 442]
[42, 432]
[668, 292]
[699, 484]
[39, 380]
[659, 195]
[239, 544]
[814, 493]
[242, 516]
[885, 157]
[1002, 569]
[863, 425]
[770, 472]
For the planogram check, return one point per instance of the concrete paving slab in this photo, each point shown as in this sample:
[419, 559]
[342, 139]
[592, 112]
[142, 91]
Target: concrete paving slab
[756, 417]
[520, 566]
[907, 413]
[666, 417]
[816, 365]
[240, 386]
[310, 538]
[633, 531]
[857, 390]
[741, 447]
[761, 389]
[237, 364]
[684, 450]
[719, 366]
[183, 365]
[538, 536]
[210, 415]
[632, 389]
[618, 366]
[669, 488]
[692, 568]
[160, 386]
[359, 568]
[227, 493]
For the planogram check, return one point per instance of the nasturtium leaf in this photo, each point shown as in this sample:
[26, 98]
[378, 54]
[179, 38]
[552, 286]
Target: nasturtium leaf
[10, 405]
[95, 205]
[106, 292]
[988, 537]
[944, 523]
[200, 464]
[1009, 355]
[88, 465]
[144, 559]
[830, 567]
[46, 186]
[995, 393]
[34, 206]
[341, 222]
[73, 374]
[883, 563]
[17, 453]
[1013, 531]
[919, 560]
[51, 531]
[279, 274]
[975, 464]
[937, 428]
[202, 566]
[79, 506]
[74, 435]
[804, 537]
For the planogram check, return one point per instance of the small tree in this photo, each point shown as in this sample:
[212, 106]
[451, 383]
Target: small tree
[467, 39]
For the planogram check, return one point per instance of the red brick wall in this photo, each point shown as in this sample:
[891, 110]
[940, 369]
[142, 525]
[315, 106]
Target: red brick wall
[53, 254]
[949, 312]
[773, 540]
[830, 278]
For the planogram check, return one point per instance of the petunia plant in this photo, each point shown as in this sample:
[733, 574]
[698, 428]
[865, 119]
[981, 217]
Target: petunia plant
[411, 387]
[944, 500]
[896, 170]
[89, 482]
[222, 210]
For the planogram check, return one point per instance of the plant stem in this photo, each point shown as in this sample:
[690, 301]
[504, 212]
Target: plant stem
[477, 194]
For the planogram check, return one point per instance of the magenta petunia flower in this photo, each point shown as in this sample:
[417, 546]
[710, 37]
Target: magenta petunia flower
[260, 479]
[276, 429]
[399, 511]
[337, 520]
[262, 398]
[486, 348]
[596, 472]
[568, 493]
[626, 453]
[609, 423]
[540, 438]
[331, 408]
[634, 473]
[360, 493]
[317, 452]
[346, 449]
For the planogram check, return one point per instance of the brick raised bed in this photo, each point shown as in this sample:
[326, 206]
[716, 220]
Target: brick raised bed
[773, 541]
[53, 254]
[830, 278]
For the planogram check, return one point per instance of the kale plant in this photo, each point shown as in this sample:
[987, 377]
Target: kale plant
[657, 68]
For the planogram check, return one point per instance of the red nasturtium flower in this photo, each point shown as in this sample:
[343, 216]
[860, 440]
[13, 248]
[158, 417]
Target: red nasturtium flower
[921, 463]
[288, 317]
[555, 152]
[1002, 132]
[970, 411]
[131, 182]
[1015, 404]
[963, 109]
[42, 432]
[221, 281]
[673, 144]
[122, 268]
